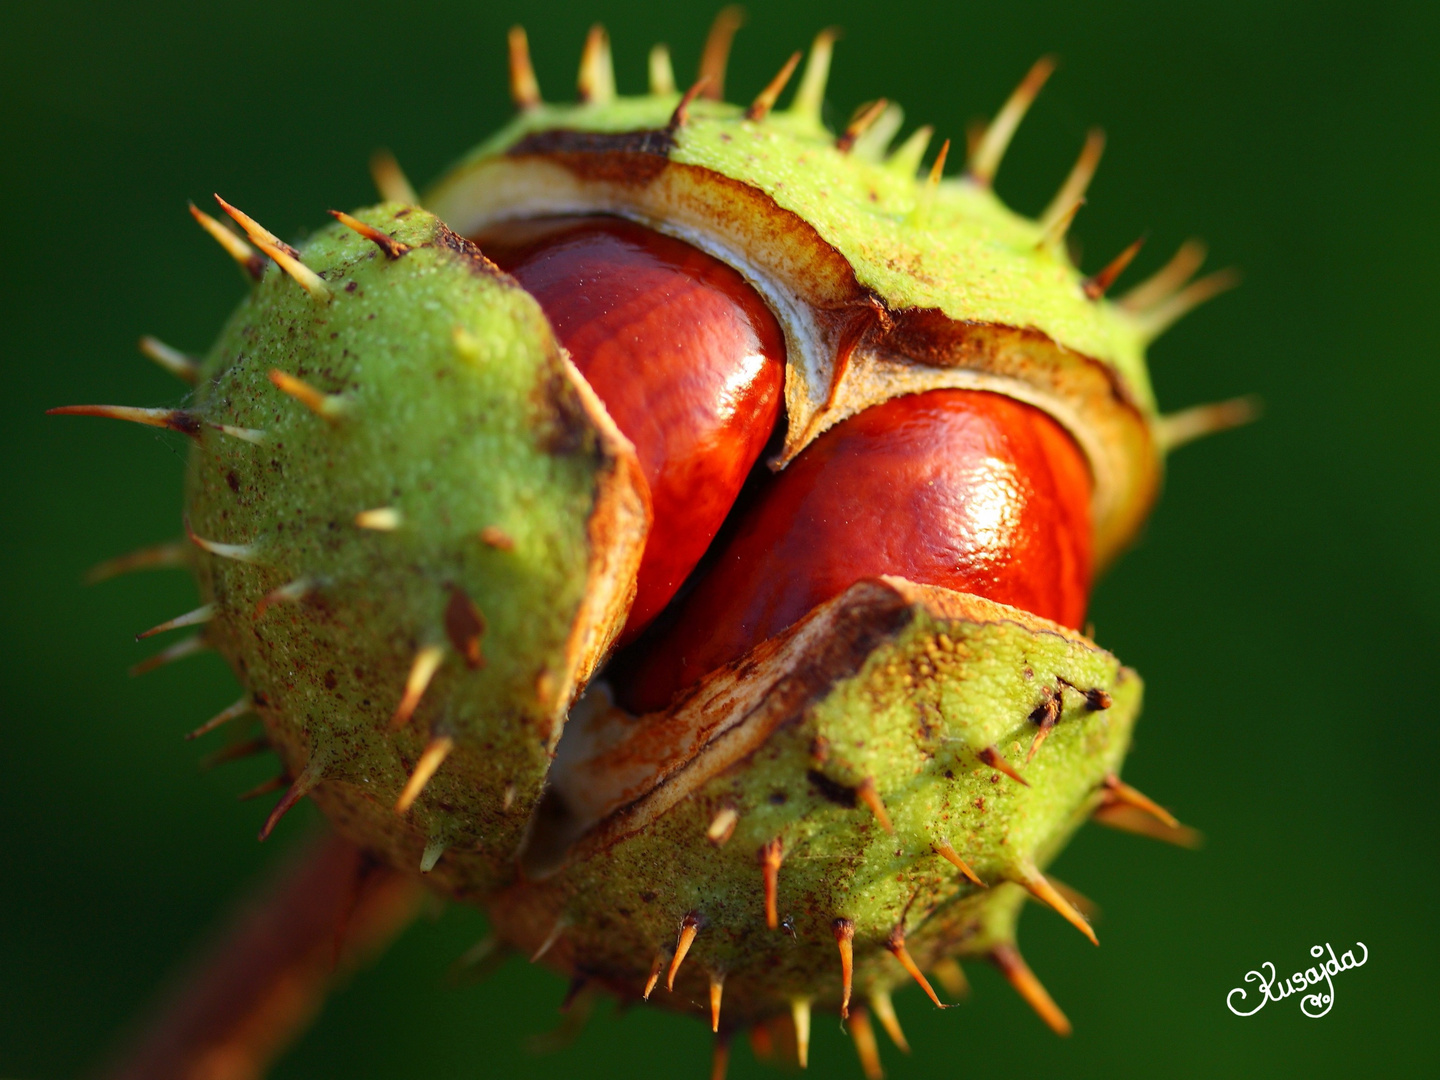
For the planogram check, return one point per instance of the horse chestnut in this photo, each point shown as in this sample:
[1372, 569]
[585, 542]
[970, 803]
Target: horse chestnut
[428, 498]
[685, 355]
[974, 492]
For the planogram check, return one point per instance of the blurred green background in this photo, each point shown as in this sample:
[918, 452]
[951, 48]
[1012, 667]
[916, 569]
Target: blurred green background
[1282, 604]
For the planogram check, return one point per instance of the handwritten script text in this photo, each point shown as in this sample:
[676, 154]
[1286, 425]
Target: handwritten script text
[1313, 1005]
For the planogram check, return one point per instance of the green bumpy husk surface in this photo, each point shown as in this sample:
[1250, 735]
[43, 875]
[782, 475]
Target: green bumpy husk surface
[454, 406]
[891, 684]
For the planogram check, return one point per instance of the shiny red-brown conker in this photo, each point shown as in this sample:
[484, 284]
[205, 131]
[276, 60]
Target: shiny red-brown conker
[969, 490]
[684, 353]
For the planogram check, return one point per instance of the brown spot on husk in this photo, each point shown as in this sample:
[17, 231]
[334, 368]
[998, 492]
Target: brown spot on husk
[465, 626]
[469, 253]
[838, 793]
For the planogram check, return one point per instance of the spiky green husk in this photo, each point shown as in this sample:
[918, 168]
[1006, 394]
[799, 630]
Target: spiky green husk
[883, 283]
[899, 685]
[454, 406]
[963, 253]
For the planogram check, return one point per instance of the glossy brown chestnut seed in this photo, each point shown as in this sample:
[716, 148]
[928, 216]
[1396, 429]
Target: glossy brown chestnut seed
[683, 352]
[973, 491]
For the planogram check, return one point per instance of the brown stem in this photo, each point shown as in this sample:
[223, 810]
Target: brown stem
[264, 980]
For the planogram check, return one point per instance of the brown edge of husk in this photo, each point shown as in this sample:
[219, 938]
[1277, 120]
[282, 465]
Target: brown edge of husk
[616, 531]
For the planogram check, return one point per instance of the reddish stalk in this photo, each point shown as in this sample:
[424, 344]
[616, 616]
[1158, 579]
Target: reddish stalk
[257, 988]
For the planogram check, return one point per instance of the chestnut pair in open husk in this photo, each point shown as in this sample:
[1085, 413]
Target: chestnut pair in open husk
[672, 533]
